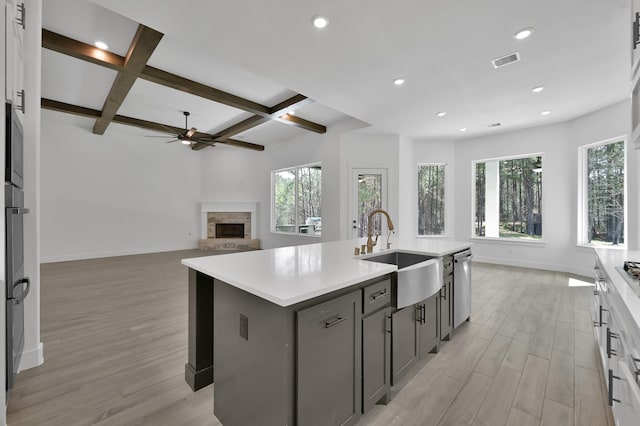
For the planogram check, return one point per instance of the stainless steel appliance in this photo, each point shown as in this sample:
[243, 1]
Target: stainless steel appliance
[17, 285]
[461, 287]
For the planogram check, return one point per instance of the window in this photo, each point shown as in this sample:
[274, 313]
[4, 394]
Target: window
[508, 198]
[296, 200]
[602, 220]
[431, 199]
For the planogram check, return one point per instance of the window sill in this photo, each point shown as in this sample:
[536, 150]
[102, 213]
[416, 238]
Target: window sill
[444, 236]
[590, 247]
[295, 234]
[515, 242]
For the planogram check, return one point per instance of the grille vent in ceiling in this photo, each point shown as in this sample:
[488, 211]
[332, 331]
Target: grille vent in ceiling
[505, 60]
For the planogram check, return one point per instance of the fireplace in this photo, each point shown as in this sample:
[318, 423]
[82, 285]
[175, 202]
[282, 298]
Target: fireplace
[229, 230]
[229, 226]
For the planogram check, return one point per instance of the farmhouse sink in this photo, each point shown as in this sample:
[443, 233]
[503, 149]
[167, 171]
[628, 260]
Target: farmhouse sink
[419, 275]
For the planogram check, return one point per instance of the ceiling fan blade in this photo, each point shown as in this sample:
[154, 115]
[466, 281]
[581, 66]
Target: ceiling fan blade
[167, 136]
[175, 140]
[191, 132]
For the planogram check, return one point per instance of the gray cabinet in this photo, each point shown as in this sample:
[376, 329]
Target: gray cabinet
[404, 344]
[446, 323]
[427, 325]
[329, 356]
[376, 344]
[414, 334]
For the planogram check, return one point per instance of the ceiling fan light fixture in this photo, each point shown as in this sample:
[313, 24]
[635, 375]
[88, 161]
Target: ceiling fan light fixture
[185, 142]
[319, 21]
[101, 45]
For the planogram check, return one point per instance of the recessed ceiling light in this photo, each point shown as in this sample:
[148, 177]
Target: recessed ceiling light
[537, 89]
[545, 112]
[463, 129]
[523, 33]
[319, 21]
[101, 45]
[441, 113]
[398, 81]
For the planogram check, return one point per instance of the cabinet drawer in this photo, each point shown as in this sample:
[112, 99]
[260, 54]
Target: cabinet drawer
[376, 296]
[447, 264]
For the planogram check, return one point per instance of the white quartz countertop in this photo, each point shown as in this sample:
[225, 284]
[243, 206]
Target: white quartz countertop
[610, 259]
[289, 275]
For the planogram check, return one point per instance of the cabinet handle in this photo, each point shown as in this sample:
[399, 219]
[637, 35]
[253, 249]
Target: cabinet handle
[423, 317]
[611, 335]
[23, 16]
[334, 322]
[443, 292]
[611, 398]
[420, 315]
[602, 309]
[388, 323]
[636, 30]
[636, 370]
[379, 294]
[596, 293]
[20, 95]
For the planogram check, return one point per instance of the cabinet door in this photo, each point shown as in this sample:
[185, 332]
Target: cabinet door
[625, 396]
[329, 359]
[445, 308]
[376, 358]
[404, 345]
[428, 327]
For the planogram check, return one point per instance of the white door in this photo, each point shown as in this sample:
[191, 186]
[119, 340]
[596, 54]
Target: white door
[368, 192]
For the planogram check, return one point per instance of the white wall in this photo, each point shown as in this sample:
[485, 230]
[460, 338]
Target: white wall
[559, 143]
[116, 194]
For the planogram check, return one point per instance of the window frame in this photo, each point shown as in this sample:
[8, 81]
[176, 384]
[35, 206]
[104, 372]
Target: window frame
[582, 215]
[447, 210]
[507, 240]
[272, 225]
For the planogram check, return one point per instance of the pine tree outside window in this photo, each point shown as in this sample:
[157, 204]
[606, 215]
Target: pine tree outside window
[431, 199]
[296, 200]
[508, 198]
[602, 204]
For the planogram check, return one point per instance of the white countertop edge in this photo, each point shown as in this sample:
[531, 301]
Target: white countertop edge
[356, 268]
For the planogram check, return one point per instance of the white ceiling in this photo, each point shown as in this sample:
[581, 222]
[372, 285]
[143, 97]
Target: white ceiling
[266, 50]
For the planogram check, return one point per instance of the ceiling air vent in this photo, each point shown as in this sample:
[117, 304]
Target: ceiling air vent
[505, 60]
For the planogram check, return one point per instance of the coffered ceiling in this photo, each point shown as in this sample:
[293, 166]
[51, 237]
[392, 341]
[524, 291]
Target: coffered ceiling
[268, 52]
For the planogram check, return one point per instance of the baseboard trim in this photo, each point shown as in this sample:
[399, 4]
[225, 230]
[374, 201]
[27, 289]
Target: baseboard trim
[114, 253]
[31, 358]
[534, 265]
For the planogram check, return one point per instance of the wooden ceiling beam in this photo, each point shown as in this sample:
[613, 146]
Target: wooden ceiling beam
[144, 124]
[79, 50]
[86, 52]
[142, 47]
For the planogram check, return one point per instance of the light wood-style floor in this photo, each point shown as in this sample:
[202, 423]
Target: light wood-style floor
[115, 338]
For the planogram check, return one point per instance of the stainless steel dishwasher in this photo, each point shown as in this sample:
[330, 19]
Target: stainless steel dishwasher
[461, 287]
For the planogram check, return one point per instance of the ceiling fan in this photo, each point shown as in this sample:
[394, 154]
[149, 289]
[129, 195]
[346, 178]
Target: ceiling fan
[188, 137]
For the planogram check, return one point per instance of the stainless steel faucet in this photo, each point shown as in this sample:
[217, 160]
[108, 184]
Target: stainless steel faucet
[370, 242]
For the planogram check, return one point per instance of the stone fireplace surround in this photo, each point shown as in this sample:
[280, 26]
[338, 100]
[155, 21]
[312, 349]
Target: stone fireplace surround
[228, 212]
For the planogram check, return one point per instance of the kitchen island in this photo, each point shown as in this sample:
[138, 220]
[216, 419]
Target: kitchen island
[301, 335]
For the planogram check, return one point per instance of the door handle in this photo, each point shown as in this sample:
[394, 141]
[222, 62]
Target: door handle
[338, 320]
[21, 281]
